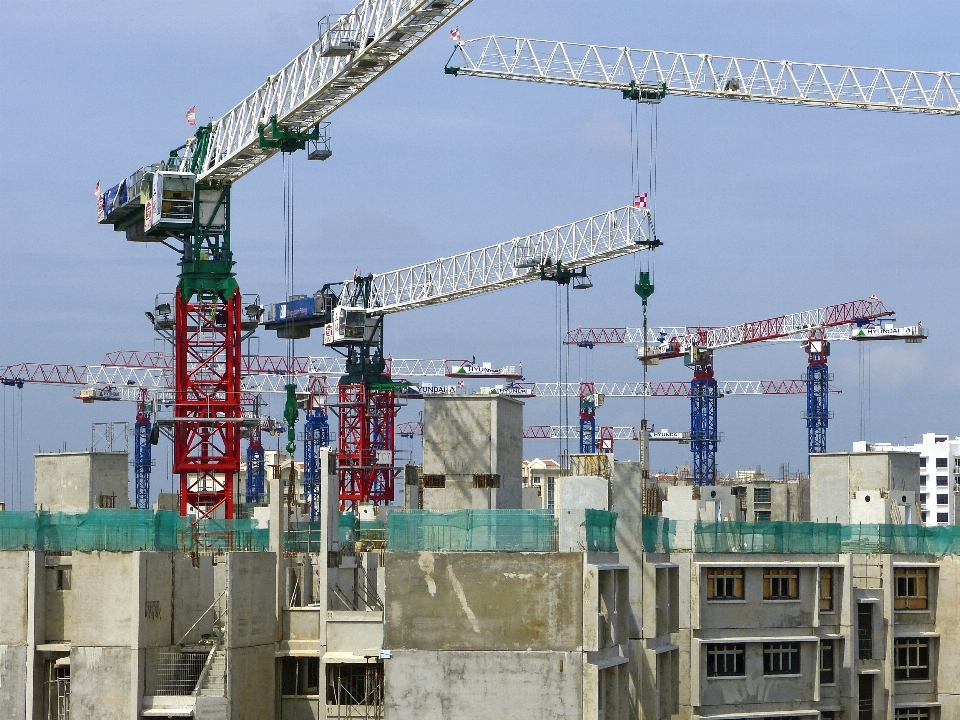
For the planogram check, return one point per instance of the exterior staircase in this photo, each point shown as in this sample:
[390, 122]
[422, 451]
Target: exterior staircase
[213, 680]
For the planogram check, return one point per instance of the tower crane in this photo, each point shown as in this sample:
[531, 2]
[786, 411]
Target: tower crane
[816, 343]
[352, 322]
[649, 75]
[697, 345]
[183, 202]
[597, 392]
[146, 378]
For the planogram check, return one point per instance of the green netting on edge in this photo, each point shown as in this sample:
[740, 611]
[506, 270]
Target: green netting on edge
[347, 529]
[658, 533]
[302, 537]
[768, 537]
[125, 531]
[809, 537]
[905, 539]
[601, 530]
[472, 530]
[218, 536]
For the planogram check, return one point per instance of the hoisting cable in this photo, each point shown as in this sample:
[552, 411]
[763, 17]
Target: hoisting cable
[644, 286]
[290, 407]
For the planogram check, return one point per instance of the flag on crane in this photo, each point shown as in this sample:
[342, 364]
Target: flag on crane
[455, 34]
[874, 297]
[192, 116]
[640, 201]
[99, 194]
[461, 384]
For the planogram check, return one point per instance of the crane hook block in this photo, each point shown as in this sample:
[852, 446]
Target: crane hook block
[644, 288]
[290, 413]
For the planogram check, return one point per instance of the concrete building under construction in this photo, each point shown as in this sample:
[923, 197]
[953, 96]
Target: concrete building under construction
[463, 604]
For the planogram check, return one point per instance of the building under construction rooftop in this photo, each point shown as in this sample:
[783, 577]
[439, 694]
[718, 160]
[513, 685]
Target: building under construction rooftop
[623, 601]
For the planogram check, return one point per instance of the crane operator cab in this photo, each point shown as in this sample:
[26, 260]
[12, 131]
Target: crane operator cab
[352, 326]
[170, 200]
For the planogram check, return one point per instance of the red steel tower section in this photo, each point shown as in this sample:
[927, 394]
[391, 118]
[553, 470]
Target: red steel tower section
[365, 444]
[207, 409]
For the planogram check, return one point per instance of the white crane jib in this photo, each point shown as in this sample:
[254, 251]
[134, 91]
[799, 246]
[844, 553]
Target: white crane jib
[647, 75]
[351, 52]
[532, 257]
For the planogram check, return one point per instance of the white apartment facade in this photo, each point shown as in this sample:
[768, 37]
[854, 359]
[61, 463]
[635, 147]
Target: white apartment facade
[939, 475]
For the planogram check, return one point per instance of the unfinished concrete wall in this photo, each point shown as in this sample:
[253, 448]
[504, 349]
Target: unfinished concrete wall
[14, 634]
[576, 494]
[354, 632]
[13, 681]
[467, 436]
[948, 627]
[469, 685]
[250, 578]
[484, 601]
[103, 683]
[73, 482]
[193, 591]
[627, 502]
[252, 624]
[840, 484]
[106, 597]
[251, 682]
[14, 597]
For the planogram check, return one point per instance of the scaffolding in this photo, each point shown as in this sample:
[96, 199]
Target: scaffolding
[57, 689]
[355, 690]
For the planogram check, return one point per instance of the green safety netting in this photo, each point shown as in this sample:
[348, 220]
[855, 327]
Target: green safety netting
[125, 531]
[767, 537]
[601, 530]
[215, 536]
[472, 530]
[658, 533]
[347, 528]
[809, 537]
[302, 537]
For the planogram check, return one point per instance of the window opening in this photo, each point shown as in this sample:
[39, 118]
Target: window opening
[827, 663]
[910, 589]
[725, 583]
[865, 631]
[781, 583]
[781, 658]
[826, 589]
[911, 659]
[725, 660]
[865, 697]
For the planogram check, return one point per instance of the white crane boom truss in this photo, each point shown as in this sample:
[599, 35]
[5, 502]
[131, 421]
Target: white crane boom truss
[714, 338]
[617, 432]
[354, 51]
[634, 335]
[673, 388]
[717, 76]
[578, 244]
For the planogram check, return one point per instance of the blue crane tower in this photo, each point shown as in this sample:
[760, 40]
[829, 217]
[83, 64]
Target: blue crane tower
[316, 435]
[818, 391]
[703, 416]
[142, 455]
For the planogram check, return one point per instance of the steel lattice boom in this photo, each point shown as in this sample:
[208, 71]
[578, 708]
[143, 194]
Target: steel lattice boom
[353, 51]
[578, 244]
[715, 338]
[588, 337]
[716, 76]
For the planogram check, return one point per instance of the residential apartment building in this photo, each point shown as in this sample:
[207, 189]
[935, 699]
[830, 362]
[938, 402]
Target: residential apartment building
[939, 475]
[542, 475]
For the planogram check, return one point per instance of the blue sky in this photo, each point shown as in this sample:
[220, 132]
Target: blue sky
[763, 209]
